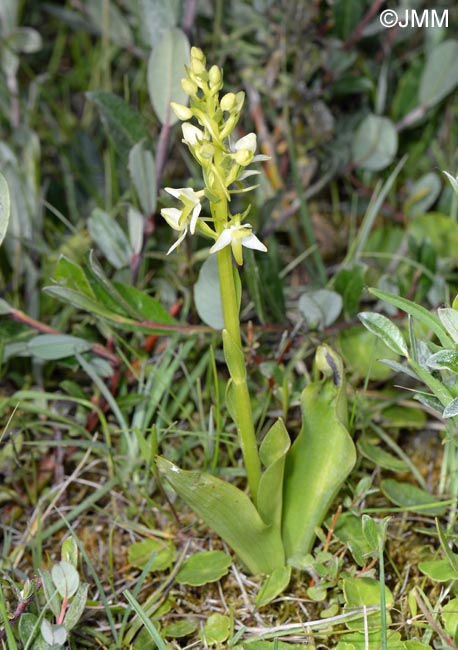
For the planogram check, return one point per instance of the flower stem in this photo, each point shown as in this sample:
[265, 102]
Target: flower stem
[242, 412]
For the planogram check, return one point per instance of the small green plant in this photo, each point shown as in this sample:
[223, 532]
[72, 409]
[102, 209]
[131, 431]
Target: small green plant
[65, 600]
[291, 485]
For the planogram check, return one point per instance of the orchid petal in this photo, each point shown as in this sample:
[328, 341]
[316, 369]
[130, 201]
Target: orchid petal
[223, 240]
[172, 216]
[178, 241]
[247, 142]
[251, 241]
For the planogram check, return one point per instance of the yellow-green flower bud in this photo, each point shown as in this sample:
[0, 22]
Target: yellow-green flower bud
[215, 76]
[243, 157]
[228, 102]
[239, 101]
[207, 151]
[181, 111]
[189, 86]
[196, 53]
[197, 67]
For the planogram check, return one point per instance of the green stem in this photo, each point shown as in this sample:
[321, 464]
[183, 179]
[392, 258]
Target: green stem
[243, 416]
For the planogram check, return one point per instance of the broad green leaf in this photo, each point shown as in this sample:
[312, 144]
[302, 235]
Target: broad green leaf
[360, 592]
[361, 351]
[438, 570]
[69, 274]
[272, 453]
[5, 207]
[182, 628]
[347, 14]
[207, 294]
[123, 124]
[317, 464]
[417, 311]
[65, 578]
[217, 629]
[82, 301]
[449, 615]
[166, 68]
[412, 497]
[440, 75]
[375, 143]
[449, 319]
[76, 608]
[234, 357]
[110, 238]
[146, 306]
[386, 330]
[143, 174]
[139, 554]
[203, 567]
[444, 359]
[273, 586]
[56, 346]
[231, 514]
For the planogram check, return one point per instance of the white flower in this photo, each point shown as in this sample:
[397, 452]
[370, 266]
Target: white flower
[181, 220]
[238, 235]
[191, 134]
[247, 142]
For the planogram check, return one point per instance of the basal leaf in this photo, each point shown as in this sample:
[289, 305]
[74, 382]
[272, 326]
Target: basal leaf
[231, 514]
[317, 464]
[272, 453]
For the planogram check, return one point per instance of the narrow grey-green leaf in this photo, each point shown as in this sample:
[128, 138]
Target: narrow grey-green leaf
[440, 75]
[444, 359]
[76, 607]
[449, 319]
[123, 124]
[110, 238]
[166, 68]
[56, 346]
[143, 174]
[5, 207]
[453, 181]
[387, 331]
[451, 410]
[418, 312]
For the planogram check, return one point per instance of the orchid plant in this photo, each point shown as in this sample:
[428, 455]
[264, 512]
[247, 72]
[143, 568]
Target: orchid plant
[291, 485]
